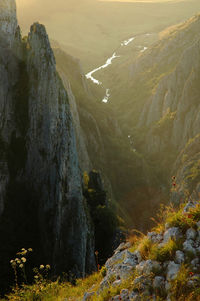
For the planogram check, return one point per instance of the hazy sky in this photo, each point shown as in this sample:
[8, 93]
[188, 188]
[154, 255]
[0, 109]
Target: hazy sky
[44, 8]
[92, 29]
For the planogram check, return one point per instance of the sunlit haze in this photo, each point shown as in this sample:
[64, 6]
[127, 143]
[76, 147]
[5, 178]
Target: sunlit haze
[91, 29]
[100, 150]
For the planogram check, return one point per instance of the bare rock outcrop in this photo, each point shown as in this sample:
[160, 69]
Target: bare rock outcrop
[41, 199]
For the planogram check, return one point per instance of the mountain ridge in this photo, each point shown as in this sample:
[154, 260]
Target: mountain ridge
[41, 181]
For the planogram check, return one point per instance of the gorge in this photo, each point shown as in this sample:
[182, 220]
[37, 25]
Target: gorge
[57, 138]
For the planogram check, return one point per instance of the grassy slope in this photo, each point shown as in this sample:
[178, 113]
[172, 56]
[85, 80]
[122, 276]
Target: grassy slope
[56, 291]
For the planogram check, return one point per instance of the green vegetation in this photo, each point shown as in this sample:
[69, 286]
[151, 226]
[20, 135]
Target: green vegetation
[183, 221]
[43, 289]
[111, 291]
[153, 251]
[165, 123]
[194, 173]
[179, 285]
[166, 252]
[103, 215]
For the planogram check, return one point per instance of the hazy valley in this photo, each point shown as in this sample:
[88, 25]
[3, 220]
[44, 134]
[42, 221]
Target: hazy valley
[91, 30]
[86, 156]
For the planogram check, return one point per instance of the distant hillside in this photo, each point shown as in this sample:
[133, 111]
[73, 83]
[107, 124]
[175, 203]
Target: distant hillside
[90, 30]
[162, 95]
[124, 171]
[154, 103]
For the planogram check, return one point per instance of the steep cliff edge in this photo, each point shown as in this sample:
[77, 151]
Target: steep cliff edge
[8, 22]
[167, 108]
[157, 107]
[95, 124]
[108, 149]
[41, 200]
[169, 117]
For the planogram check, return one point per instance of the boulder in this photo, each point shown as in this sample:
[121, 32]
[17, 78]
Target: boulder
[155, 237]
[173, 233]
[124, 270]
[191, 234]
[172, 270]
[195, 262]
[118, 256]
[131, 259]
[147, 267]
[188, 247]
[142, 283]
[159, 283]
[138, 256]
[123, 246]
[180, 257]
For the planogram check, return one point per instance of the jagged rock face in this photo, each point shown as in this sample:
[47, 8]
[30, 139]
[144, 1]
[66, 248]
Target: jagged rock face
[178, 94]
[162, 96]
[9, 68]
[94, 125]
[84, 159]
[41, 200]
[88, 133]
[163, 90]
[9, 34]
[52, 150]
[153, 279]
[168, 110]
[8, 21]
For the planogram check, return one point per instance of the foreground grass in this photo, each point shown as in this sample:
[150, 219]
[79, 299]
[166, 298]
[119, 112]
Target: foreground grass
[55, 291]
[43, 290]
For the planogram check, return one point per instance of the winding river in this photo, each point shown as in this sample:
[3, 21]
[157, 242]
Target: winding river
[109, 62]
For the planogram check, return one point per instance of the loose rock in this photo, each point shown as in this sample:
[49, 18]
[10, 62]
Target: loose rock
[191, 234]
[172, 270]
[180, 257]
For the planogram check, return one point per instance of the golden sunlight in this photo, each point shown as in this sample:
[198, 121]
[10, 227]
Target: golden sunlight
[24, 2]
[143, 1]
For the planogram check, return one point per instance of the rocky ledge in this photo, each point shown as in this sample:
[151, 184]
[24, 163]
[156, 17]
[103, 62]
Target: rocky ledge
[154, 266]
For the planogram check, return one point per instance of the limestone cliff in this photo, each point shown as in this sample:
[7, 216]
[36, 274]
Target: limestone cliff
[162, 96]
[8, 21]
[41, 200]
[170, 116]
[95, 125]
[153, 113]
